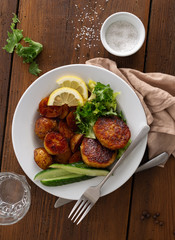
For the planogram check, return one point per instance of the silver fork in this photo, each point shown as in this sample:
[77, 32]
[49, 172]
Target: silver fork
[92, 194]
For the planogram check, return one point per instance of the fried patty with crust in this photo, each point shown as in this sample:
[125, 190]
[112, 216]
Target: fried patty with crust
[96, 155]
[112, 132]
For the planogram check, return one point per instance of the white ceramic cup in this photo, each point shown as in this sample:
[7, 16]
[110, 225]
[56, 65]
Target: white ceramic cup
[127, 17]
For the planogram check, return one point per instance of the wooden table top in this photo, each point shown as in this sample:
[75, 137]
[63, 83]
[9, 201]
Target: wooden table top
[56, 24]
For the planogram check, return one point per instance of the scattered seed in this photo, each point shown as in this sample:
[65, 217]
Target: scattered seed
[157, 214]
[144, 213]
[161, 223]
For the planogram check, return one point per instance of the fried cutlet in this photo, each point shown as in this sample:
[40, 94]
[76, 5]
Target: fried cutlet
[112, 132]
[96, 155]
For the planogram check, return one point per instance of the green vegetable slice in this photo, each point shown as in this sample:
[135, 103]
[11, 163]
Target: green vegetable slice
[72, 168]
[50, 173]
[71, 178]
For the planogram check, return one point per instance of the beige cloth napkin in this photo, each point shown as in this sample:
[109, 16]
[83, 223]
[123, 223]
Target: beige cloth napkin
[156, 92]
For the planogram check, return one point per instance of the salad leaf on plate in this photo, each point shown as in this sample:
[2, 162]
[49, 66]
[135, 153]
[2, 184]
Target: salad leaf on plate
[102, 102]
[122, 150]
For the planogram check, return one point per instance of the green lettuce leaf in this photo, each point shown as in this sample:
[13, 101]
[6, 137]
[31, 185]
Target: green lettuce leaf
[34, 69]
[103, 103]
[13, 37]
[122, 150]
[29, 53]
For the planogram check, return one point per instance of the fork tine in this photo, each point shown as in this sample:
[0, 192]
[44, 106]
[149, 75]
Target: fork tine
[75, 206]
[81, 205]
[85, 213]
[83, 208]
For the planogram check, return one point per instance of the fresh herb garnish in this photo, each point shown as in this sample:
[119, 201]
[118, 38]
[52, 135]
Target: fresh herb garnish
[34, 69]
[101, 103]
[14, 37]
[28, 53]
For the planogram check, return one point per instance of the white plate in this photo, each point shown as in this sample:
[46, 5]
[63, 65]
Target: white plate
[25, 141]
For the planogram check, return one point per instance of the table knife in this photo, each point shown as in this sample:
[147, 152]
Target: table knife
[159, 160]
[61, 201]
[156, 161]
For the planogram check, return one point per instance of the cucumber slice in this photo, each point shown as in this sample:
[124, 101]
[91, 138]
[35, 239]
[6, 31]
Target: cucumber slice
[84, 170]
[50, 173]
[76, 164]
[58, 181]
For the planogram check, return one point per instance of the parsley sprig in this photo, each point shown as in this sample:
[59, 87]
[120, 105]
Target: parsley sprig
[28, 53]
[14, 37]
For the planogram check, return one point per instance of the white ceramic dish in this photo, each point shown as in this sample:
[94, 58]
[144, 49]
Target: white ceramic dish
[25, 141]
[130, 18]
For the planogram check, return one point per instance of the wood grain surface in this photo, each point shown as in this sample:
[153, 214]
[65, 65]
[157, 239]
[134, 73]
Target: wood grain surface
[153, 190]
[57, 25]
[5, 67]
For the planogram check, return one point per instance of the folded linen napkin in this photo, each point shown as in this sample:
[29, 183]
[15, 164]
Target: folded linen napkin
[156, 92]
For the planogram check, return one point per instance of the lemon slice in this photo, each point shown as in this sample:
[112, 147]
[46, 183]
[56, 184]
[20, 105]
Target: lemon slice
[65, 95]
[74, 82]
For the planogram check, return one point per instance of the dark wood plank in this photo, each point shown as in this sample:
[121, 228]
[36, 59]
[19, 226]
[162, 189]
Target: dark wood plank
[154, 189]
[50, 22]
[161, 47]
[7, 8]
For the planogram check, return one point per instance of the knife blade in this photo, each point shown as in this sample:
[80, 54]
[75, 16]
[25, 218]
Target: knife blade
[61, 201]
[161, 159]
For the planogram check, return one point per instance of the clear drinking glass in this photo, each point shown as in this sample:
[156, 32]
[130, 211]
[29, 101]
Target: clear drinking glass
[15, 197]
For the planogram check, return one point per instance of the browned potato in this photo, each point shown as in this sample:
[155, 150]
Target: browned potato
[44, 125]
[56, 144]
[42, 158]
[95, 155]
[76, 157]
[71, 122]
[75, 141]
[49, 111]
[63, 158]
[65, 111]
[64, 129]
